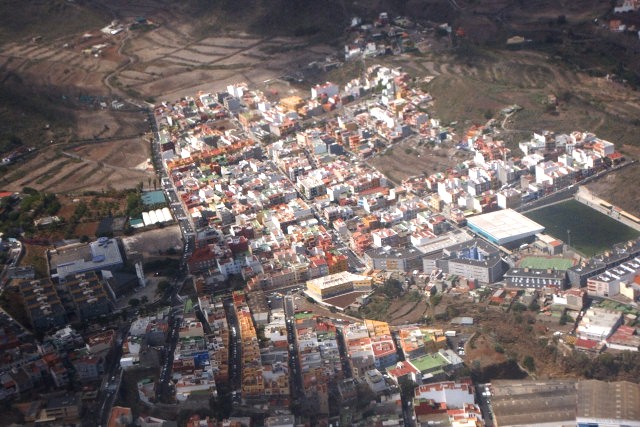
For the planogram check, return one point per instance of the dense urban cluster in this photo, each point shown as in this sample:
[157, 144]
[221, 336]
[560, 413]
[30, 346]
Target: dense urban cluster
[276, 198]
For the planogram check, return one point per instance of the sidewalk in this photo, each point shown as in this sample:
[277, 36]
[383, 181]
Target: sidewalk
[586, 197]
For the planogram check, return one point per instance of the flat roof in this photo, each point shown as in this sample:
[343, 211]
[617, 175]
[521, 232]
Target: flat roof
[543, 262]
[99, 255]
[394, 253]
[529, 403]
[429, 362]
[608, 401]
[504, 226]
[153, 198]
[344, 300]
[336, 279]
[445, 240]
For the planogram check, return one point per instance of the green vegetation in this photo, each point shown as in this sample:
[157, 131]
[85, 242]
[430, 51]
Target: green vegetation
[430, 362]
[624, 366]
[135, 207]
[594, 233]
[565, 318]
[435, 300]
[18, 216]
[392, 288]
[376, 309]
[529, 363]
[518, 307]
[546, 262]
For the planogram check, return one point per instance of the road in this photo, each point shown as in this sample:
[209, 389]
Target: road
[483, 398]
[295, 377]
[15, 253]
[165, 392]
[235, 352]
[568, 192]
[112, 379]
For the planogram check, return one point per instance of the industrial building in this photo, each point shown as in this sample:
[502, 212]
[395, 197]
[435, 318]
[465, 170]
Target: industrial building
[534, 278]
[504, 227]
[156, 216]
[608, 404]
[549, 403]
[394, 259]
[103, 254]
[337, 284]
[474, 259]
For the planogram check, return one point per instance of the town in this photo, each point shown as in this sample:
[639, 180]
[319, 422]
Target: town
[278, 310]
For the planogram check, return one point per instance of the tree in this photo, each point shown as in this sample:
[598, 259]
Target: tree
[529, 363]
[518, 307]
[134, 302]
[163, 286]
[435, 300]
[392, 288]
[144, 299]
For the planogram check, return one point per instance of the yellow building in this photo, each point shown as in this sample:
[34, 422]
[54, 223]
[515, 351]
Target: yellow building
[338, 284]
[291, 103]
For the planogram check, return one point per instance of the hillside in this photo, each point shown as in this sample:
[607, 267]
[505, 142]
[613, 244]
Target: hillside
[49, 19]
[207, 44]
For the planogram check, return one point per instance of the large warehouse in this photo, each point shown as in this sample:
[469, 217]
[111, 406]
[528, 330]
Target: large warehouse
[504, 226]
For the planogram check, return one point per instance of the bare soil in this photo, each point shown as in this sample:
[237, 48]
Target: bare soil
[181, 55]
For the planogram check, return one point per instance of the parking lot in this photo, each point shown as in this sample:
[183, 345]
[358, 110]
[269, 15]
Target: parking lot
[458, 343]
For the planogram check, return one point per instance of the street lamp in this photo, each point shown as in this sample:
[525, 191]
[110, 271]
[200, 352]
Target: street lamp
[568, 237]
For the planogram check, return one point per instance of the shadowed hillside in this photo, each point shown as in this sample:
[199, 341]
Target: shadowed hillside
[48, 19]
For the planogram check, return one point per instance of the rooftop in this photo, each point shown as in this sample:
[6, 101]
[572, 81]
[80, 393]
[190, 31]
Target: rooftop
[504, 226]
[611, 401]
[430, 362]
[336, 279]
[534, 402]
[101, 254]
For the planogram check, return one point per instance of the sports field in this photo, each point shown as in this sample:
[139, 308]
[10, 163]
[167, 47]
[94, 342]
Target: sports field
[541, 262]
[592, 232]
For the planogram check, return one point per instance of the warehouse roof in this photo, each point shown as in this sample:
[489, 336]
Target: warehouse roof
[504, 226]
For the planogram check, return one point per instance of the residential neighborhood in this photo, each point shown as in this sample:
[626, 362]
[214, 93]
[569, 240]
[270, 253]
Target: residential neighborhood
[277, 311]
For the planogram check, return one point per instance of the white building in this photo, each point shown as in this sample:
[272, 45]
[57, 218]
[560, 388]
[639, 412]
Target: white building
[455, 395]
[598, 324]
[329, 89]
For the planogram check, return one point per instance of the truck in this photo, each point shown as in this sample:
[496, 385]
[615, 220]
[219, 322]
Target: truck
[450, 333]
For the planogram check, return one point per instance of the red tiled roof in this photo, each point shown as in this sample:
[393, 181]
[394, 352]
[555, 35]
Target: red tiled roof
[586, 344]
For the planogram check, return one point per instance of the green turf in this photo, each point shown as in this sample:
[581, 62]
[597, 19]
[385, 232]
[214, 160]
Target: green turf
[546, 262]
[430, 362]
[592, 232]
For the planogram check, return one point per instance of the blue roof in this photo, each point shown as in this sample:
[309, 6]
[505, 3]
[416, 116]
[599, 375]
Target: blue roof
[153, 198]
